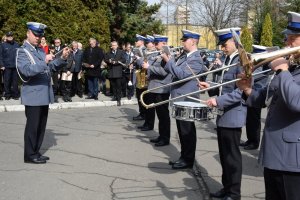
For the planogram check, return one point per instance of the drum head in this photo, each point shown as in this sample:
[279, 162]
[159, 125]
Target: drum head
[189, 104]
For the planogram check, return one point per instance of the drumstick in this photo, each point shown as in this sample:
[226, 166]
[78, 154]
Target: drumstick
[196, 99]
[193, 73]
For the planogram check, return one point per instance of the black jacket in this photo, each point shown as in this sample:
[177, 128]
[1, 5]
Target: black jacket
[8, 54]
[93, 56]
[115, 69]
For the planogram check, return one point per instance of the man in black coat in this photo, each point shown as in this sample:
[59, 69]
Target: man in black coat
[8, 63]
[113, 60]
[92, 58]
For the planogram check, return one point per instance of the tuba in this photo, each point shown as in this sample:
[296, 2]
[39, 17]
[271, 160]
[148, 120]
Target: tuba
[141, 78]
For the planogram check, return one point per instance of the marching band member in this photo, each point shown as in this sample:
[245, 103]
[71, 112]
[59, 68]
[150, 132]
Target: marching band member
[231, 121]
[157, 76]
[36, 92]
[279, 153]
[253, 121]
[180, 70]
[150, 112]
[139, 43]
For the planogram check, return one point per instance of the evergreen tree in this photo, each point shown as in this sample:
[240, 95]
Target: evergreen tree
[129, 17]
[81, 19]
[267, 33]
[246, 39]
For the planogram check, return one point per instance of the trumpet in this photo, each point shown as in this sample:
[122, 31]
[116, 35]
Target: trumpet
[256, 60]
[165, 49]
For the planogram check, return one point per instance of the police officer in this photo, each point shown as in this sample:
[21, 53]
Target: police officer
[157, 77]
[36, 92]
[8, 63]
[279, 153]
[139, 43]
[150, 112]
[230, 121]
[180, 70]
[253, 120]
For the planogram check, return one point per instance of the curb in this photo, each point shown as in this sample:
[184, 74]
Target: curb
[69, 105]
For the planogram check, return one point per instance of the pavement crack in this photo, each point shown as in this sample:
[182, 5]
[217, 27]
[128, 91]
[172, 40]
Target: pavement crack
[111, 161]
[111, 186]
[71, 184]
[13, 143]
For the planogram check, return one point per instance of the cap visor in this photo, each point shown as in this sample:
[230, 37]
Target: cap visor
[37, 33]
[221, 42]
[290, 32]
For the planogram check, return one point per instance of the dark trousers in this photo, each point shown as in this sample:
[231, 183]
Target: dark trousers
[55, 81]
[66, 89]
[253, 125]
[138, 93]
[93, 86]
[1, 82]
[11, 82]
[34, 130]
[150, 112]
[163, 116]
[76, 85]
[231, 160]
[187, 136]
[282, 185]
[124, 86]
[116, 84]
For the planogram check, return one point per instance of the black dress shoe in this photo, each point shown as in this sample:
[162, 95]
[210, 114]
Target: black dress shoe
[161, 143]
[220, 194]
[44, 158]
[7, 98]
[139, 127]
[95, 98]
[80, 96]
[119, 103]
[251, 146]
[243, 144]
[182, 165]
[89, 97]
[177, 161]
[146, 128]
[16, 98]
[35, 161]
[155, 140]
[139, 117]
[1, 98]
[227, 198]
[128, 98]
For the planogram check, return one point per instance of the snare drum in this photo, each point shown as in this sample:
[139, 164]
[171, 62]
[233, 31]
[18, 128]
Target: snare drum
[190, 111]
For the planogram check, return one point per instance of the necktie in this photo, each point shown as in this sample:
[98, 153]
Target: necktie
[227, 60]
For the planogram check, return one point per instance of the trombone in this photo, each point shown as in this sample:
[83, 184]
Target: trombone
[256, 60]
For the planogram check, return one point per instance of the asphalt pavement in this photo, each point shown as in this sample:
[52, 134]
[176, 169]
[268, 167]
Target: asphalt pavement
[96, 152]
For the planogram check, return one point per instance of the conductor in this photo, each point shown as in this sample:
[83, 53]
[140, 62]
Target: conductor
[35, 68]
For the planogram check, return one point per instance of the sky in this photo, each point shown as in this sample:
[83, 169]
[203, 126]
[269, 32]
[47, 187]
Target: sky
[153, 1]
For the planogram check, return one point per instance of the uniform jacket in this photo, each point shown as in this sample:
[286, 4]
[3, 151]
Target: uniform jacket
[280, 148]
[38, 90]
[230, 100]
[157, 76]
[179, 71]
[115, 70]
[8, 54]
[93, 56]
